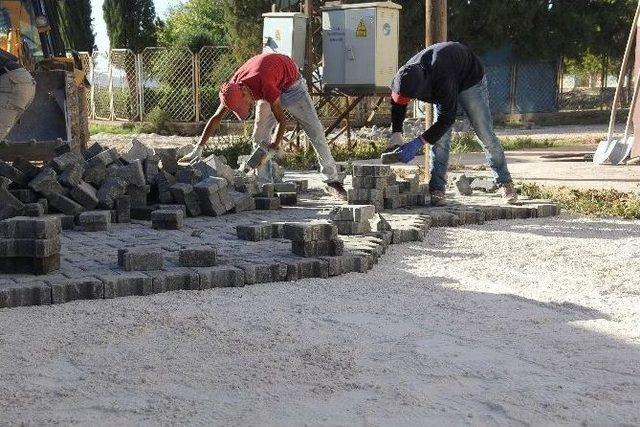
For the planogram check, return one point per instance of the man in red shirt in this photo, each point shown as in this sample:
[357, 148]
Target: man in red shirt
[272, 81]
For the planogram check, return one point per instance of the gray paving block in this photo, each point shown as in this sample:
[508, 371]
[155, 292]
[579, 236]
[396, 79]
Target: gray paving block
[463, 185]
[167, 219]
[310, 268]
[30, 265]
[189, 175]
[317, 248]
[199, 256]
[95, 173]
[267, 204]
[262, 273]
[34, 248]
[67, 160]
[12, 173]
[138, 195]
[85, 195]
[371, 170]
[151, 166]
[9, 205]
[285, 187]
[25, 196]
[488, 185]
[223, 276]
[131, 174]
[352, 227]
[104, 158]
[123, 209]
[164, 181]
[142, 214]
[169, 207]
[370, 182]
[76, 289]
[185, 194]
[46, 227]
[64, 204]
[128, 284]
[140, 259]
[288, 199]
[71, 176]
[175, 280]
[254, 232]
[93, 221]
[136, 150]
[46, 182]
[391, 191]
[169, 158]
[24, 294]
[92, 151]
[267, 190]
[242, 202]
[302, 185]
[33, 209]
[111, 189]
[26, 167]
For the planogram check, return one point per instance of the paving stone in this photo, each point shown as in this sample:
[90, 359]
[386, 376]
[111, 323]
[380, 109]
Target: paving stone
[383, 225]
[185, 194]
[167, 219]
[95, 173]
[140, 259]
[12, 173]
[268, 190]
[92, 150]
[33, 209]
[262, 273]
[138, 195]
[46, 182]
[175, 280]
[104, 158]
[142, 214]
[181, 208]
[242, 202]
[67, 222]
[85, 195]
[95, 221]
[548, 210]
[76, 289]
[288, 199]
[164, 181]
[26, 167]
[370, 182]
[487, 185]
[352, 227]
[395, 202]
[257, 157]
[67, 160]
[221, 277]
[310, 249]
[371, 170]
[215, 166]
[30, 228]
[30, 265]
[9, 205]
[34, 248]
[24, 294]
[131, 174]
[123, 209]
[254, 233]
[128, 284]
[285, 187]
[72, 176]
[25, 196]
[226, 200]
[136, 150]
[111, 189]
[391, 191]
[246, 184]
[169, 158]
[310, 268]
[189, 175]
[199, 256]
[463, 185]
[267, 204]
[302, 185]
[343, 264]
[64, 204]
[151, 169]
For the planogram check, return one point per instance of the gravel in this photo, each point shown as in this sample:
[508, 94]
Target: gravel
[507, 323]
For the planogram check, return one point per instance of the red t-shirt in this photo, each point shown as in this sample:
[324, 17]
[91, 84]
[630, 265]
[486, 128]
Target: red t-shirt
[267, 75]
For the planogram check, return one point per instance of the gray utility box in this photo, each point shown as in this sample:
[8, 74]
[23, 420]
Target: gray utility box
[285, 33]
[360, 46]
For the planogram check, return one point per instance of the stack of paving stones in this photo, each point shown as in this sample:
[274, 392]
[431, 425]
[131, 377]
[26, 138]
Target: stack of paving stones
[353, 219]
[377, 185]
[313, 239]
[132, 185]
[465, 185]
[30, 245]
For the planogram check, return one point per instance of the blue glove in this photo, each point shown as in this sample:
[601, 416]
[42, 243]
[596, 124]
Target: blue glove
[408, 151]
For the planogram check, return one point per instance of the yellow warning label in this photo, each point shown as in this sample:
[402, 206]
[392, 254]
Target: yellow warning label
[361, 31]
[278, 36]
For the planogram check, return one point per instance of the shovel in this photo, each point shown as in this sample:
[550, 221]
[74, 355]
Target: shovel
[621, 149]
[606, 147]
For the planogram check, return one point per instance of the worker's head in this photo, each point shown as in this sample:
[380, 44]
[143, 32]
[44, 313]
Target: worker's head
[238, 98]
[409, 83]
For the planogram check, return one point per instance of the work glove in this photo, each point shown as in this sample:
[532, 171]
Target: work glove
[194, 155]
[408, 151]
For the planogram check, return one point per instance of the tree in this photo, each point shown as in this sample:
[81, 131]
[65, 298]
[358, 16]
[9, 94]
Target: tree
[130, 23]
[74, 23]
[195, 23]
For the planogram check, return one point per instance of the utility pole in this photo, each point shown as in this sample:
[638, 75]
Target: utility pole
[435, 15]
[308, 57]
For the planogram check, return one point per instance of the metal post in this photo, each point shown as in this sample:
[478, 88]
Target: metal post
[196, 79]
[111, 106]
[435, 31]
[308, 55]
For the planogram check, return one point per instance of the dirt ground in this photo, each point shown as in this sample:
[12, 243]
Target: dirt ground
[508, 323]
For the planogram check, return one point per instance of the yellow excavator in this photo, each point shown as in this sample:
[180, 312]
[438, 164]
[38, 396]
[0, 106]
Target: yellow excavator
[58, 114]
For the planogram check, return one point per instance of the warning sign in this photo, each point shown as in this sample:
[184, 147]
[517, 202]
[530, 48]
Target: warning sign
[278, 36]
[361, 31]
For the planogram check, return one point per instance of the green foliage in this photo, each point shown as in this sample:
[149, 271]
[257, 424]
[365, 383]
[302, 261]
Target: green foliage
[96, 128]
[156, 121]
[74, 23]
[195, 23]
[597, 203]
[130, 23]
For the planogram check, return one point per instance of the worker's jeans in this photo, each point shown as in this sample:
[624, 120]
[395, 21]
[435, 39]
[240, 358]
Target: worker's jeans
[475, 102]
[297, 101]
[17, 89]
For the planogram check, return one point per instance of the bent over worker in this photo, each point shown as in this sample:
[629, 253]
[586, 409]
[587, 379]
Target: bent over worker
[272, 81]
[17, 89]
[448, 75]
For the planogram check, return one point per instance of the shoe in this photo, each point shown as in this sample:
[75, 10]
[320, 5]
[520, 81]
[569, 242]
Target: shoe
[390, 148]
[337, 189]
[509, 193]
[195, 154]
[438, 198]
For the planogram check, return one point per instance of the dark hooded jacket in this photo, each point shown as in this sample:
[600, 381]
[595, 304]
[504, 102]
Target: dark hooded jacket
[8, 62]
[436, 75]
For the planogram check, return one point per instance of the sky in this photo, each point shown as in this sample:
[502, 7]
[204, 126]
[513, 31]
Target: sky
[99, 27]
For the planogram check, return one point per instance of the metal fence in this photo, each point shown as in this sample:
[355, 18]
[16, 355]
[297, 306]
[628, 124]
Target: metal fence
[184, 85]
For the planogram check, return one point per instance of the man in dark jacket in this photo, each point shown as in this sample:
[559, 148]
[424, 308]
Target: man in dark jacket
[17, 89]
[447, 75]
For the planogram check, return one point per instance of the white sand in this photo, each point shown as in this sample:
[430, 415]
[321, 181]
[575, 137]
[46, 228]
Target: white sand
[503, 324]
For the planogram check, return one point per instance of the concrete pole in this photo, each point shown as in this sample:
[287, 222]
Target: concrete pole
[435, 15]
[307, 72]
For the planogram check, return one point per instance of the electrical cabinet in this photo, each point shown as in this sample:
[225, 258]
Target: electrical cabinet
[285, 33]
[360, 46]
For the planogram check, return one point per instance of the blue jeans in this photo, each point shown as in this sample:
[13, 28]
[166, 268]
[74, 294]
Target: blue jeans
[297, 101]
[475, 102]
